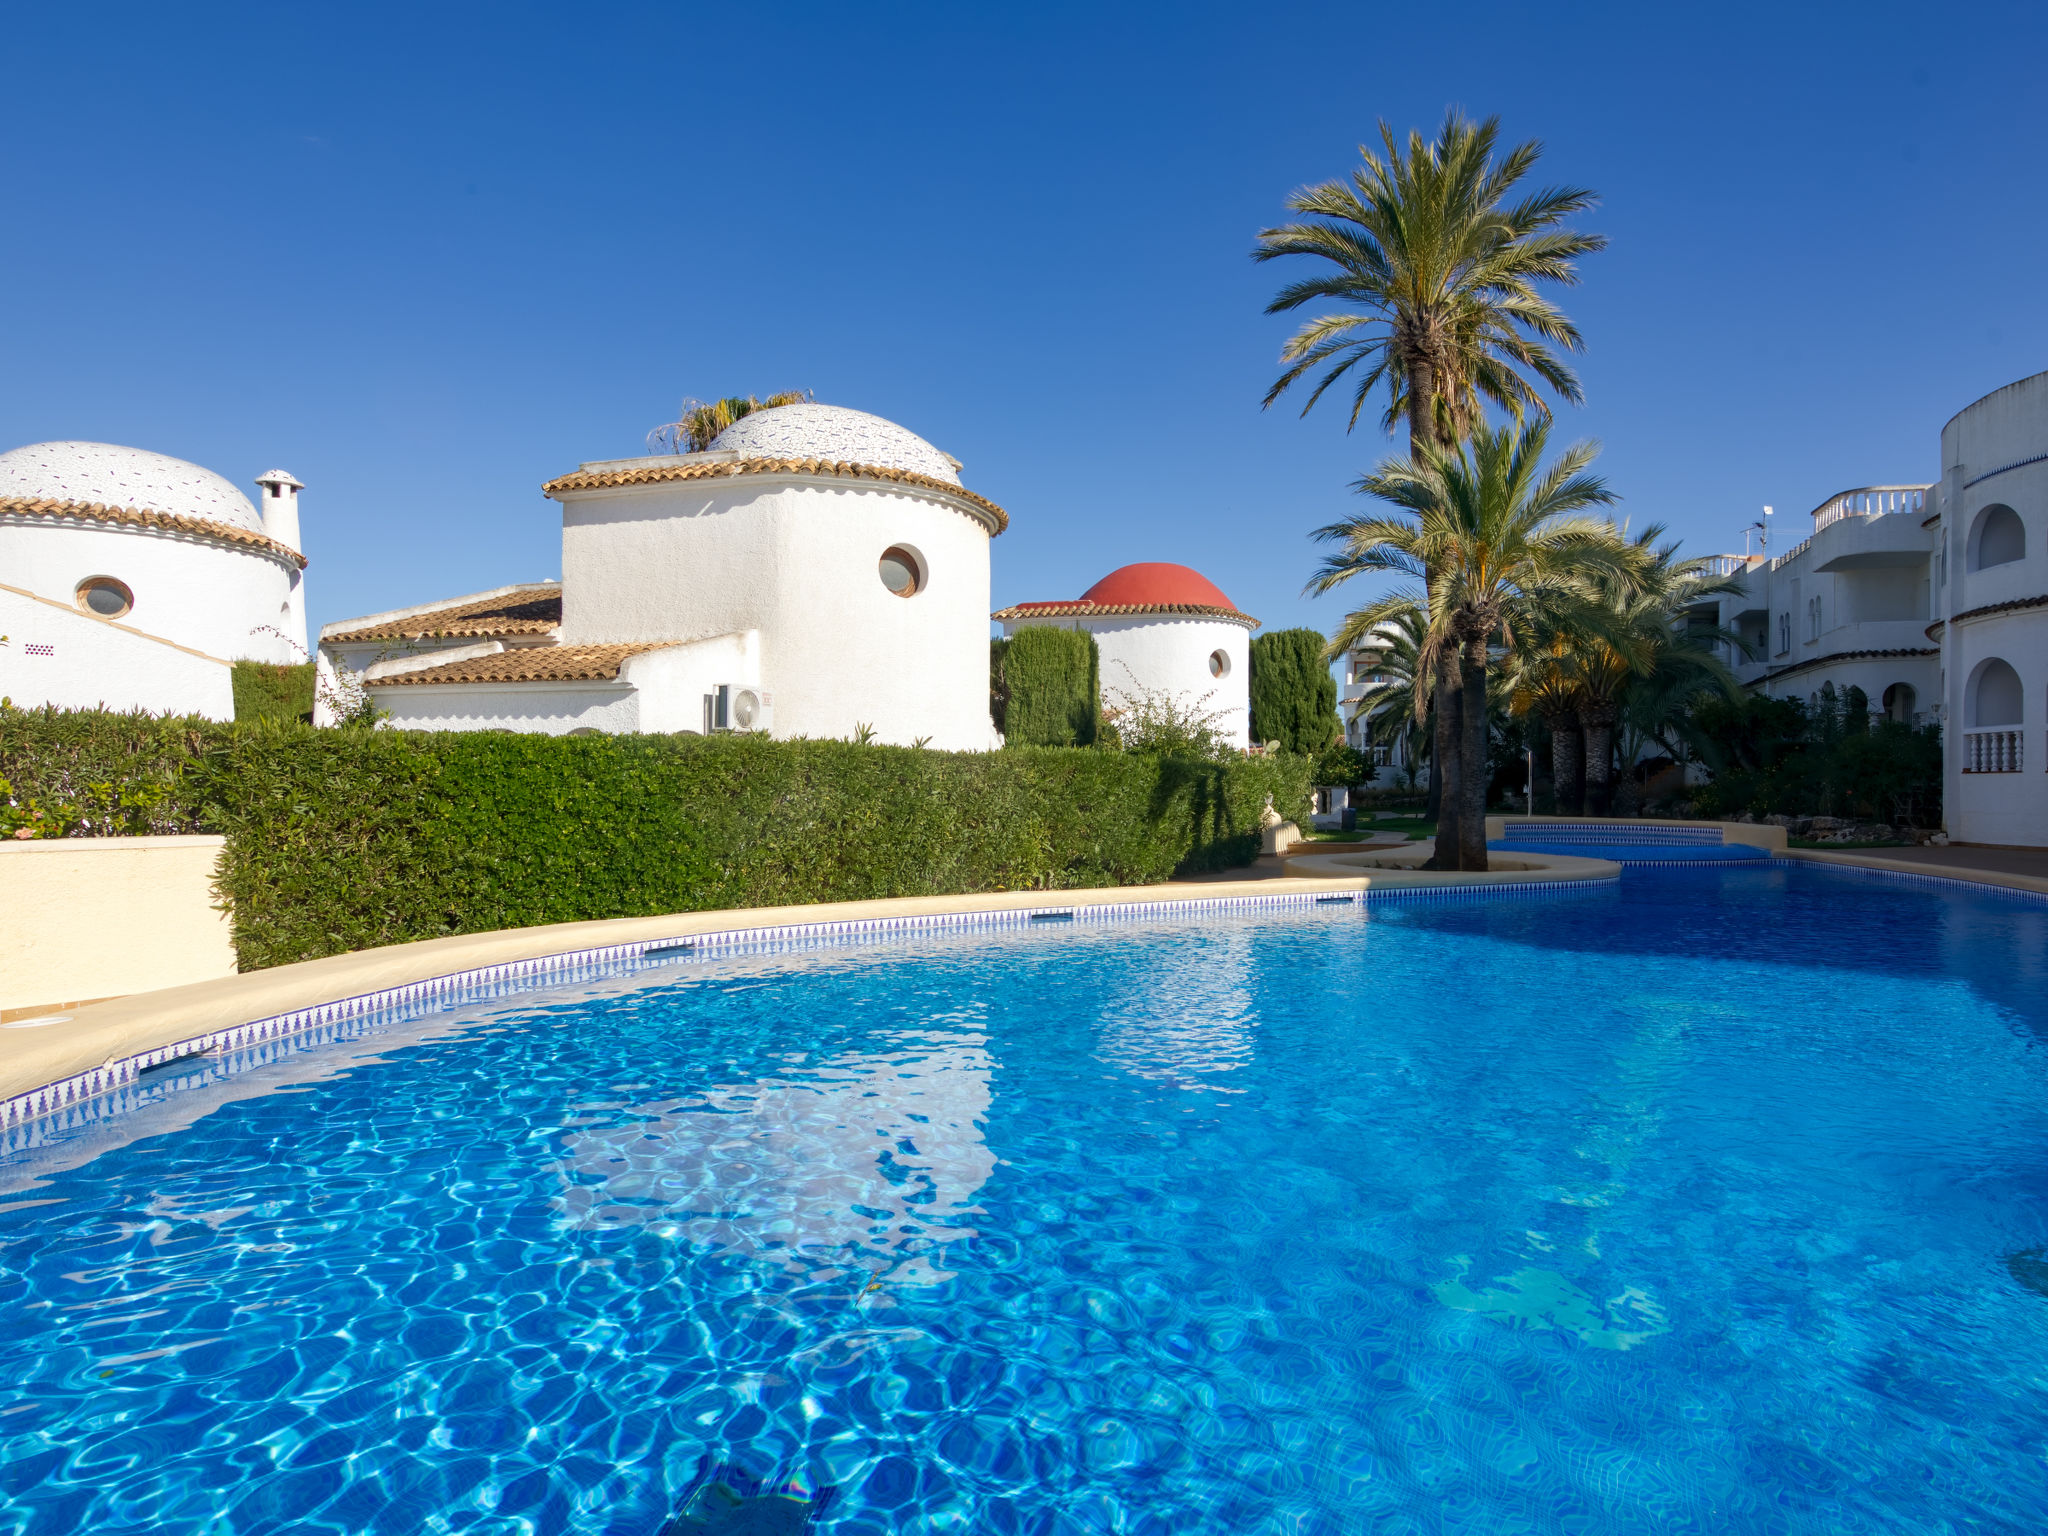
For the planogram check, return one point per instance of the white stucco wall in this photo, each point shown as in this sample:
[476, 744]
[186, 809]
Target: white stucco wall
[54, 654]
[552, 710]
[210, 597]
[1984, 452]
[796, 560]
[1165, 653]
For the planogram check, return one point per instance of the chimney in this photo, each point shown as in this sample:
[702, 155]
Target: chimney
[280, 506]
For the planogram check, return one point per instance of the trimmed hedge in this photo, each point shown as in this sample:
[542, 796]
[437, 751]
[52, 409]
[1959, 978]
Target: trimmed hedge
[266, 691]
[346, 839]
[1294, 698]
[1045, 687]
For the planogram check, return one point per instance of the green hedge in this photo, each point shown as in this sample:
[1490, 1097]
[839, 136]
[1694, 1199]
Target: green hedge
[1045, 687]
[265, 691]
[1294, 698]
[344, 839]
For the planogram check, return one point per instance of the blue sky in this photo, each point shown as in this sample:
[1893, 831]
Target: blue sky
[426, 256]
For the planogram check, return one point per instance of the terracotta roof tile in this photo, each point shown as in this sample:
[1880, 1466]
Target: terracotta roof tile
[1087, 610]
[534, 611]
[530, 664]
[991, 516]
[143, 517]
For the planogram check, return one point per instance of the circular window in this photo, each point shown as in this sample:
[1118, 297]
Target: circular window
[105, 596]
[1219, 664]
[902, 572]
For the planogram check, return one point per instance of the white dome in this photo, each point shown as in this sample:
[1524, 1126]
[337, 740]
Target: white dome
[810, 431]
[123, 477]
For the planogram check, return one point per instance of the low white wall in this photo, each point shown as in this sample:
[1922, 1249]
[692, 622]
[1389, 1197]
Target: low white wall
[540, 708]
[54, 654]
[91, 917]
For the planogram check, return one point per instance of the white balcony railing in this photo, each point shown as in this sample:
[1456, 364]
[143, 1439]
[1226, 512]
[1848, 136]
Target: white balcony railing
[1995, 751]
[1729, 565]
[1870, 501]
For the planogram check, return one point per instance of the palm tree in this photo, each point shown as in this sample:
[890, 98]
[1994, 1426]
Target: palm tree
[1437, 271]
[1632, 652]
[1392, 715]
[702, 420]
[1542, 683]
[1497, 530]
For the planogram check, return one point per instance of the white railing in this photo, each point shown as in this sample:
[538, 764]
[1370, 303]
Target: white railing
[1991, 751]
[1870, 501]
[1791, 554]
[1729, 565]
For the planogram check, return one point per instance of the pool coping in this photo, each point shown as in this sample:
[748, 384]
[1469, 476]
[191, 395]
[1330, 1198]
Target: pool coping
[1936, 874]
[102, 1047]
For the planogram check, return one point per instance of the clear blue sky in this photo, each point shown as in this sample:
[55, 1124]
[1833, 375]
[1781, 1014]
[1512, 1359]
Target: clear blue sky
[426, 256]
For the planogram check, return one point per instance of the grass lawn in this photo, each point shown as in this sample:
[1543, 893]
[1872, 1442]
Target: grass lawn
[1414, 826]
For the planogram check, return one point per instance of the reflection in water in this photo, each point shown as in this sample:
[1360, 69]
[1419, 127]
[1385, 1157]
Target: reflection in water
[1185, 1025]
[874, 1153]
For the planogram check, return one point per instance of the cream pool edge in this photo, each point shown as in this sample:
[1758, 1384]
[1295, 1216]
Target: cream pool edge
[101, 1047]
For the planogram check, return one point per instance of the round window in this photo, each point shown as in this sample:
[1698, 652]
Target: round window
[902, 572]
[1219, 664]
[105, 596]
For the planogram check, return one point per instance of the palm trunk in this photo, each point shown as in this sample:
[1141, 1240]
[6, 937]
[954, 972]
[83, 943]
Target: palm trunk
[1598, 724]
[1446, 769]
[1445, 749]
[1473, 778]
[1433, 806]
[1567, 763]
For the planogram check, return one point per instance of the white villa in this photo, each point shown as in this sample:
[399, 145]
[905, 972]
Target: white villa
[134, 580]
[1933, 599]
[1164, 629]
[815, 572]
[819, 571]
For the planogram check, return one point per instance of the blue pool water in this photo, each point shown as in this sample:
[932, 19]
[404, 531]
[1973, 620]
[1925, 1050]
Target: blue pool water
[1703, 1202]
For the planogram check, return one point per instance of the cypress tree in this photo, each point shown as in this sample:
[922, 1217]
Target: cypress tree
[1046, 682]
[1294, 698]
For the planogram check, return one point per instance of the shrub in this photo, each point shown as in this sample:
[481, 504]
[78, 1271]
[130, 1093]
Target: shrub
[1294, 698]
[264, 691]
[1045, 687]
[1342, 766]
[345, 839]
[1776, 757]
[1140, 719]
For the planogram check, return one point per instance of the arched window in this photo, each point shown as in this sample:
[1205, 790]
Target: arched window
[1995, 696]
[1899, 703]
[1999, 538]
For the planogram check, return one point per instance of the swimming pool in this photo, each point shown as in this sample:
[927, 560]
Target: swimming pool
[1713, 1200]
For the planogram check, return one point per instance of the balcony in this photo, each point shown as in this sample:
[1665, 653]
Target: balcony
[1730, 565]
[1896, 543]
[1871, 501]
[1993, 751]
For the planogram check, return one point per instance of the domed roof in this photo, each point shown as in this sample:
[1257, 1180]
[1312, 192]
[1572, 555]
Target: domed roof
[1156, 583]
[110, 475]
[1151, 587]
[811, 431]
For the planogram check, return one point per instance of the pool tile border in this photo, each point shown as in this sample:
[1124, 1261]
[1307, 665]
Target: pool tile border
[63, 1098]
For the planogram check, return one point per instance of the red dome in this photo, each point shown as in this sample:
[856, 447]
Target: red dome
[1156, 582]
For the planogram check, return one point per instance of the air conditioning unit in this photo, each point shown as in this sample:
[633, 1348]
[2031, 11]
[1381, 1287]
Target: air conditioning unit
[738, 707]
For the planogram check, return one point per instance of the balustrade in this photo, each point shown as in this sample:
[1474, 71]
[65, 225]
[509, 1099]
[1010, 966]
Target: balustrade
[1870, 501]
[1995, 751]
